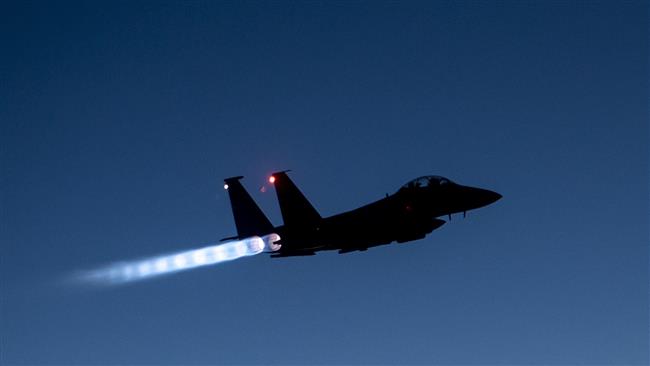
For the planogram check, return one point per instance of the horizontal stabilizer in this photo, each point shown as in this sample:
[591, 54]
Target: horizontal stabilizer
[350, 250]
[292, 254]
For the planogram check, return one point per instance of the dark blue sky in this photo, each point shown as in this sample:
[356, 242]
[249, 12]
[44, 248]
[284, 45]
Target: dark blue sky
[119, 120]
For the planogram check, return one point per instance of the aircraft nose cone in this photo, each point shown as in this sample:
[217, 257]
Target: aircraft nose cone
[483, 197]
[492, 197]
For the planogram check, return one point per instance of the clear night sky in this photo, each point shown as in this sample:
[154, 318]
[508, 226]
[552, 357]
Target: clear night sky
[119, 120]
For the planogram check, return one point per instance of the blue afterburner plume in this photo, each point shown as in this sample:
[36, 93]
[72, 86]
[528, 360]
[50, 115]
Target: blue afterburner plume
[125, 272]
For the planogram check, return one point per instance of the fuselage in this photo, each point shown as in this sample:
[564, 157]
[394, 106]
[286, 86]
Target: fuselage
[409, 214]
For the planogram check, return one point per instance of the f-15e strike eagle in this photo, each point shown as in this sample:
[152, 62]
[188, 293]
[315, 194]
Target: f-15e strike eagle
[409, 214]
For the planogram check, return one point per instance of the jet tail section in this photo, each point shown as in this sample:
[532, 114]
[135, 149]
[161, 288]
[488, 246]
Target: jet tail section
[295, 208]
[249, 218]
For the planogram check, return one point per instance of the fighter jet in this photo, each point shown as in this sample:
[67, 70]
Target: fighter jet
[411, 213]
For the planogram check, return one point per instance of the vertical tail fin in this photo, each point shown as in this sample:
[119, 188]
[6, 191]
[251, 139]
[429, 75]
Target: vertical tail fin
[249, 218]
[296, 210]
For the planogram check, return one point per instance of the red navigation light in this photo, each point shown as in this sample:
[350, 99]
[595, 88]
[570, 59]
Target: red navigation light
[271, 179]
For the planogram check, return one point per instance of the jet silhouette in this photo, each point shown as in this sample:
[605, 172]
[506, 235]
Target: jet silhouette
[409, 214]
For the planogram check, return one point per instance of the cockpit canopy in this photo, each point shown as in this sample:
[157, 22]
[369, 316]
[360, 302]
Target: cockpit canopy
[427, 181]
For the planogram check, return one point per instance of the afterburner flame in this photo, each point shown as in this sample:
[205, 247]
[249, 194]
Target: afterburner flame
[125, 272]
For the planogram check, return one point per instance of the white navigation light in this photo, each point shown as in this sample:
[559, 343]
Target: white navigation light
[125, 272]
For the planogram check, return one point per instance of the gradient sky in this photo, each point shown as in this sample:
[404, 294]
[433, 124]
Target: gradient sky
[119, 121]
